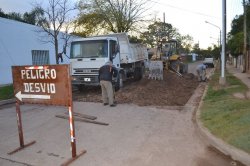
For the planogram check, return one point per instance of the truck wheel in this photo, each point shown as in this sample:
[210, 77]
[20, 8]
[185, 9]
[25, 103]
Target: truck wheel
[138, 73]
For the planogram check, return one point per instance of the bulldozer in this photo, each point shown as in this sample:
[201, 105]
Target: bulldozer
[170, 57]
[166, 57]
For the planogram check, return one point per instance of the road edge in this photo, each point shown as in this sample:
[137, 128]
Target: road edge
[8, 101]
[235, 153]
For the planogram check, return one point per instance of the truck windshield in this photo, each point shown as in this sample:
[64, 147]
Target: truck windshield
[89, 49]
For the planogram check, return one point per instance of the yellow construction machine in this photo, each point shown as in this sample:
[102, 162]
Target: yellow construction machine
[165, 57]
[170, 57]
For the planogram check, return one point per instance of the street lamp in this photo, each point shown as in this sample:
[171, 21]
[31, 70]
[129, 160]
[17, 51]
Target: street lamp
[216, 27]
[222, 80]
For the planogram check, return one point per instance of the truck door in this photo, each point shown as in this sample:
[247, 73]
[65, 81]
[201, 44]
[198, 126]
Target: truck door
[114, 53]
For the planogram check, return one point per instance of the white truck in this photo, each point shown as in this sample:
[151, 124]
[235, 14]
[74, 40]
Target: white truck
[87, 55]
[209, 62]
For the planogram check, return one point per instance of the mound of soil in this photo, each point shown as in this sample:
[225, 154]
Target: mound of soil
[173, 90]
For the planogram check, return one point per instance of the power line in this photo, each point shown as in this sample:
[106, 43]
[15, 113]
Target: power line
[184, 9]
[234, 8]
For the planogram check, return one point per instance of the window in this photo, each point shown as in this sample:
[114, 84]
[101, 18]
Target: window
[40, 57]
[113, 48]
[89, 49]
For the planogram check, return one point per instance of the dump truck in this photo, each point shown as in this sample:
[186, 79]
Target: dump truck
[87, 55]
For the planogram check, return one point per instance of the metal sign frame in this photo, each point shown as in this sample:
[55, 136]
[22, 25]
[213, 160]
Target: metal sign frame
[49, 85]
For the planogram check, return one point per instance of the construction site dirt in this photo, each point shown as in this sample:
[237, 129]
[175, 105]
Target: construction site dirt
[173, 90]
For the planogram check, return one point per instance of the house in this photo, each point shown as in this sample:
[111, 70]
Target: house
[20, 44]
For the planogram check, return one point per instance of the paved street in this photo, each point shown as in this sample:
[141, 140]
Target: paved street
[135, 136]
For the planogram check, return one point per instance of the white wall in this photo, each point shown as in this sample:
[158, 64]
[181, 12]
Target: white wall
[17, 39]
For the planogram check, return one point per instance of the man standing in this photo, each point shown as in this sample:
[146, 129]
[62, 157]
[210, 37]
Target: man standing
[201, 72]
[106, 73]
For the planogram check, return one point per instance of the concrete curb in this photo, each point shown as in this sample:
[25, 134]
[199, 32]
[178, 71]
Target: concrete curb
[233, 152]
[9, 101]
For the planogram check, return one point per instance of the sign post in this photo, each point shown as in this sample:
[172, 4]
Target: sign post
[50, 85]
[19, 124]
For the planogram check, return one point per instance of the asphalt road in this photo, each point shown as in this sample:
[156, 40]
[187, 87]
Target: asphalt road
[135, 136]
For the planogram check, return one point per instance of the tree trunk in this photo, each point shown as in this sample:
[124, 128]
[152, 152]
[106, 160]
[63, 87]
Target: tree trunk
[56, 50]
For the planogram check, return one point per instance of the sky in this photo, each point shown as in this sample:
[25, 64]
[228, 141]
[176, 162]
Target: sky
[188, 16]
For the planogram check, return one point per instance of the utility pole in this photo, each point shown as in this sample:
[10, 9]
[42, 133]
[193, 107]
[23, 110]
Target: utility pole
[245, 38]
[222, 80]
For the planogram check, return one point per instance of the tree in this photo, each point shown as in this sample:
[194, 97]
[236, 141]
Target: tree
[215, 52]
[196, 48]
[236, 25]
[236, 43]
[236, 35]
[111, 15]
[134, 39]
[32, 17]
[186, 43]
[158, 32]
[2, 14]
[15, 16]
[54, 20]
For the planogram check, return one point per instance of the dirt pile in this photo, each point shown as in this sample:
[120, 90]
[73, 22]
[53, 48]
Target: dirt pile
[173, 90]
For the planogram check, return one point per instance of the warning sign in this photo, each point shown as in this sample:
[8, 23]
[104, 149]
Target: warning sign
[48, 84]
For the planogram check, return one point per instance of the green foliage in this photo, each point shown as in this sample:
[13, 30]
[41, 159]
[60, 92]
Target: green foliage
[2, 14]
[134, 39]
[15, 16]
[225, 115]
[33, 16]
[157, 32]
[215, 52]
[6, 92]
[196, 48]
[90, 23]
[236, 43]
[237, 25]
[27, 17]
[236, 35]
[186, 43]
[238, 22]
[110, 15]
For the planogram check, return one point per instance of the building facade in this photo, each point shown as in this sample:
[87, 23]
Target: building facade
[21, 44]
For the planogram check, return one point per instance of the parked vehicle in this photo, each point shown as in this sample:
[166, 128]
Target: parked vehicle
[209, 62]
[87, 55]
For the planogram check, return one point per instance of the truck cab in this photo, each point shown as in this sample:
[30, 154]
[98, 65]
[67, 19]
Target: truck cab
[87, 55]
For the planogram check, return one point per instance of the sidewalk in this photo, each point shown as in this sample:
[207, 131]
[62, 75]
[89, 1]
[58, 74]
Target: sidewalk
[244, 77]
[219, 144]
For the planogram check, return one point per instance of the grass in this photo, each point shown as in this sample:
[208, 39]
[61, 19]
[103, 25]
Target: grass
[6, 92]
[226, 116]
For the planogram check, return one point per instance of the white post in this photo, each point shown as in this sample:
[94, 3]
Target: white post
[222, 80]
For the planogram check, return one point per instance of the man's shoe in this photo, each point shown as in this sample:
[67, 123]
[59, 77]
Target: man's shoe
[105, 104]
[112, 105]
